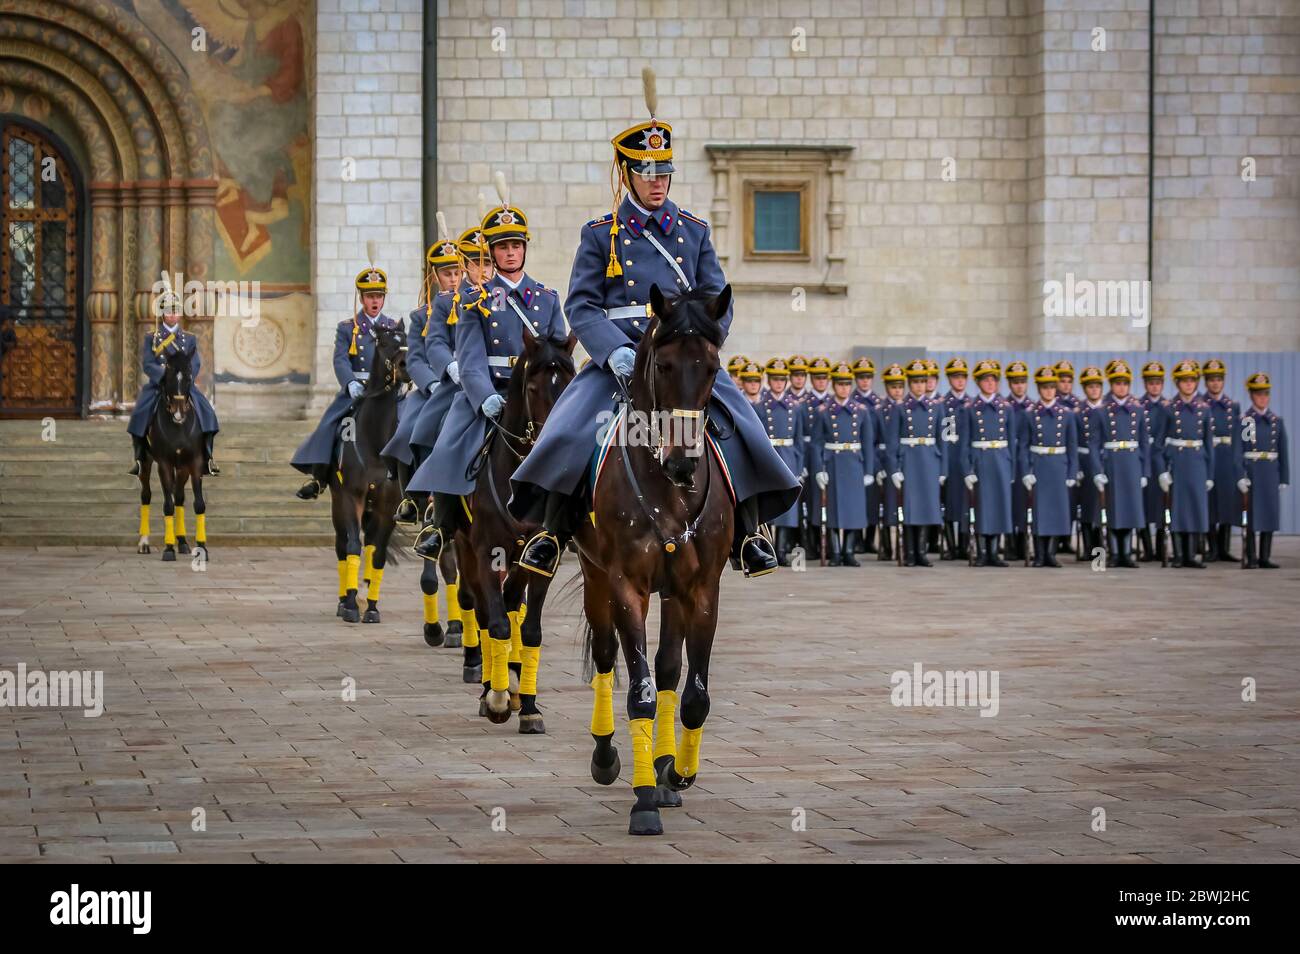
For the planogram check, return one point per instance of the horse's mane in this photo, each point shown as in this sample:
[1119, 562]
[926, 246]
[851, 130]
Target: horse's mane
[687, 314]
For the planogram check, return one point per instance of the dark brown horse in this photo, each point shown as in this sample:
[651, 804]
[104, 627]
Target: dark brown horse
[489, 541]
[176, 444]
[663, 524]
[363, 502]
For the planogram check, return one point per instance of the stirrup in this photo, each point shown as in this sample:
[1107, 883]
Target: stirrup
[212, 470]
[428, 510]
[406, 511]
[544, 563]
[769, 562]
[429, 543]
[135, 468]
[311, 490]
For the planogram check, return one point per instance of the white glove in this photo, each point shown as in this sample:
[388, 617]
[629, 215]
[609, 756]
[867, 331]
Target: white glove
[1029, 480]
[1209, 485]
[1100, 481]
[1283, 486]
[823, 479]
[493, 405]
[881, 475]
[972, 480]
[453, 372]
[1071, 482]
[1144, 483]
[897, 478]
[942, 478]
[354, 389]
[1078, 476]
[1166, 480]
[1244, 484]
[433, 386]
[622, 361]
[868, 480]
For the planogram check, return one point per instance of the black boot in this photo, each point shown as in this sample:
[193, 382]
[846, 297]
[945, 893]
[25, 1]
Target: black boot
[1266, 550]
[542, 553]
[407, 512]
[1191, 556]
[833, 554]
[920, 537]
[869, 539]
[782, 543]
[1063, 545]
[1225, 543]
[812, 542]
[949, 541]
[852, 539]
[993, 558]
[1123, 543]
[1049, 558]
[981, 544]
[139, 448]
[210, 466]
[1250, 559]
[1161, 543]
[885, 551]
[1040, 551]
[932, 538]
[1146, 552]
[320, 476]
[757, 558]
[429, 542]
[859, 545]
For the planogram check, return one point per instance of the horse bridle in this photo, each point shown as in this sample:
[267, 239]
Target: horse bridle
[658, 445]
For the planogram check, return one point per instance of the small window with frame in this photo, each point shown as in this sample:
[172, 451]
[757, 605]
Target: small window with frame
[776, 218]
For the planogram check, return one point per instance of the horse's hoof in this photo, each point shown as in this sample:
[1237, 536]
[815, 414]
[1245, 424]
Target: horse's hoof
[182, 547]
[433, 634]
[482, 707]
[350, 614]
[339, 611]
[472, 674]
[515, 702]
[169, 555]
[645, 823]
[372, 616]
[665, 797]
[143, 548]
[531, 725]
[606, 774]
[675, 782]
[498, 707]
[452, 639]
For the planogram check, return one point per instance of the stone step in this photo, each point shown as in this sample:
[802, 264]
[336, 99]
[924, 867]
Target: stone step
[109, 506]
[127, 526]
[216, 543]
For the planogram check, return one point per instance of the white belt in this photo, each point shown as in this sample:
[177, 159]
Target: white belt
[1122, 445]
[502, 360]
[1182, 442]
[988, 445]
[880, 447]
[1223, 440]
[782, 441]
[361, 375]
[1040, 449]
[1261, 455]
[628, 311]
[1084, 450]
[844, 447]
[916, 441]
[951, 440]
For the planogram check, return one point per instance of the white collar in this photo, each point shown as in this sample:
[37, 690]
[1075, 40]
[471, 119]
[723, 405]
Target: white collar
[171, 329]
[646, 214]
[988, 398]
[509, 282]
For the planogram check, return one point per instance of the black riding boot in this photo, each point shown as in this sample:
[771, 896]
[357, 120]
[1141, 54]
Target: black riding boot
[139, 448]
[859, 545]
[885, 551]
[1225, 543]
[210, 467]
[1049, 559]
[833, 554]
[1123, 542]
[1191, 558]
[920, 537]
[812, 541]
[1266, 550]
[869, 539]
[320, 480]
[993, 558]
[1040, 551]
[1146, 552]
[1063, 545]
[932, 538]
[1161, 542]
[950, 541]
[852, 540]
[542, 553]
[754, 550]
[430, 540]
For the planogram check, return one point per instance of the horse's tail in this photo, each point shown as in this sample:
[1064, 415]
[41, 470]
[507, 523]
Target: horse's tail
[572, 588]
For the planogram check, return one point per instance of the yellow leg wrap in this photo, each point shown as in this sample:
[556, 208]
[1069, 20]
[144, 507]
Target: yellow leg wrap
[665, 723]
[500, 663]
[486, 643]
[354, 570]
[453, 607]
[367, 560]
[201, 528]
[144, 520]
[376, 580]
[602, 707]
[169, 531]
[523, 612]
[643, 770]
[180, 522]
[343, 578]
[431, 607]
[688, 759]
[532, 657]
[470, 636]
[516, 640]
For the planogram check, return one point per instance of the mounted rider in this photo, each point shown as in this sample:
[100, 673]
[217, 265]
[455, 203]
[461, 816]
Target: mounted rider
[645, 242]
[354, 357]
[159, 345]
[490, 330]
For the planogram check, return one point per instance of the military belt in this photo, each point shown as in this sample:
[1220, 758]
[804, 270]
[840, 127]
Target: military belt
[916, 441]
[1261, 455]
[1123, 445]
[361, 375]
[1182, 442]
[844, 447]
[988, 445]
[1223, 440]
[502, 360]
[951, 439]
[1085, 450]
[782, 441]
[628, 311]
[1042, 449]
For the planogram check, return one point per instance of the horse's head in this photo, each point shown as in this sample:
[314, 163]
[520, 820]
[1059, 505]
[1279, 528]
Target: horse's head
[176, 384]
[390, 360]
[543, 372]
[676, 364]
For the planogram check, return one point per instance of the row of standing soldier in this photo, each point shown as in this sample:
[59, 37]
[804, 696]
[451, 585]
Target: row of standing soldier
[1059, 474]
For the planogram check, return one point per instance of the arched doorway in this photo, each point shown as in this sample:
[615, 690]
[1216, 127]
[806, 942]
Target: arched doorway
[41, 341]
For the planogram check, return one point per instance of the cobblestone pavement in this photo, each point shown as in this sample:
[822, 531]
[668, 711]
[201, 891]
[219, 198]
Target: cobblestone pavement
[1119, 691]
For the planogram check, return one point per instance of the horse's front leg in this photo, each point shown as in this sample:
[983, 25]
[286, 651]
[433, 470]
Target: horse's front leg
[674, 617]
[701, 623]
[494, 626]
[451, 576]
[146, 496]
[630, 599]
[200, 514]
[377, 548]
[473, 663]
[347, 520]
[602, 644]
[166, 479]
[512, 598]
[433, 632]
[530, 653]
[178, 501]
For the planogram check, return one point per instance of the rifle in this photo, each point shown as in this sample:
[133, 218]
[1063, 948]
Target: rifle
[1168, 537]
[884, 529]
[899, 533]
[1247, 533]
[1078, 528]
[943, 525]
[973, 493]
[1105, 527]
[825, 542]
[1029, 525]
